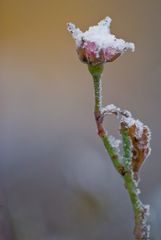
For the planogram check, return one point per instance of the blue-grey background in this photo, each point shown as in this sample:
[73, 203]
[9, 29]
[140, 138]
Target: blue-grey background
[57, 182]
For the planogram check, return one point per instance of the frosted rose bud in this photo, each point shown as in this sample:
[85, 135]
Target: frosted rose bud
[98, 45]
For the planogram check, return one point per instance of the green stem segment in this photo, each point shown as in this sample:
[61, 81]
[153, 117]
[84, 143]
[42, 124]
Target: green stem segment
[141, 230]
[96, 72]
[141, 212]
[126, 148]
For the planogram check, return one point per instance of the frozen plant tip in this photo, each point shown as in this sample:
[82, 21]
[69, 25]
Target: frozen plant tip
[96, 47]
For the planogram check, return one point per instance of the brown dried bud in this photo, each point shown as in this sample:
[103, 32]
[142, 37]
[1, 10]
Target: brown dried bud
[140, 139]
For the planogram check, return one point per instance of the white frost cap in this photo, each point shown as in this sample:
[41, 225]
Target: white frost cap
[98, 42]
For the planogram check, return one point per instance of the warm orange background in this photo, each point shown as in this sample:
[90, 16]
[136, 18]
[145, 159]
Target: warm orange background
[59, 183]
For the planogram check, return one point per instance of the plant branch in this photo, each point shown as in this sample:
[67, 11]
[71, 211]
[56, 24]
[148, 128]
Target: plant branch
[141, 212]
[141, 230]
[96, 72]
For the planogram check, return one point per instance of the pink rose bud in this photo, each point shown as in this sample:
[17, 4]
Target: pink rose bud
[98, 45]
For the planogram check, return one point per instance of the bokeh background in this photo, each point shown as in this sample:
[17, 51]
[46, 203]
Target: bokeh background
[57, 182]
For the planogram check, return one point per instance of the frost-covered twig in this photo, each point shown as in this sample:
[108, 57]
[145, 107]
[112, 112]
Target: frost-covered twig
[96, 72]
[96, 47]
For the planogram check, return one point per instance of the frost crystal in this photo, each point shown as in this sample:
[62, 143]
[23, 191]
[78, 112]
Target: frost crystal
[115, 143]
[128, 121]
[111, 108]
[139, 129]
[97, 45]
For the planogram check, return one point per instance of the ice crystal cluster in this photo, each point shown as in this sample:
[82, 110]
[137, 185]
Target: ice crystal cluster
[97, 45]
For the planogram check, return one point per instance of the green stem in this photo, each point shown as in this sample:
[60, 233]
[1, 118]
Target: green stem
[141, 230]
[113, 154]
[126, 148]
[96, 72]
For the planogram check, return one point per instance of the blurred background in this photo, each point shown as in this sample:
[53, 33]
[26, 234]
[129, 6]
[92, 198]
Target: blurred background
[57, 182]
